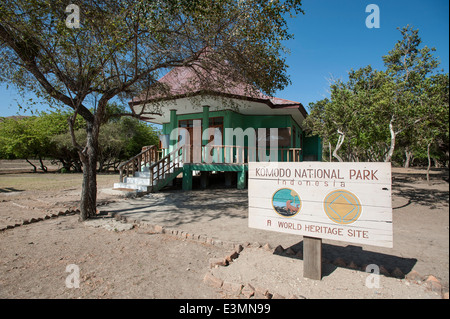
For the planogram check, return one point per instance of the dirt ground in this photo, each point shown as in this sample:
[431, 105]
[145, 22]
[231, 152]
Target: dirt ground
[143, 263]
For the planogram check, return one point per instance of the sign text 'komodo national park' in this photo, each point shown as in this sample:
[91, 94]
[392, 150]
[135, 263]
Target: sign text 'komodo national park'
[349, 202]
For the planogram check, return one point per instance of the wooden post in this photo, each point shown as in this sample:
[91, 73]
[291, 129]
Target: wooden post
[312, 258]
[204, 179]
[187, 177]
[241, 178]
[228, 178]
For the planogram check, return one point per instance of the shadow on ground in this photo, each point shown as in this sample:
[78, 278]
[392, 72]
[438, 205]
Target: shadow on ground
[358, 257]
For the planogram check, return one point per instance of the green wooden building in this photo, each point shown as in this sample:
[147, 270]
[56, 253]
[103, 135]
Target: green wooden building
[214, 131]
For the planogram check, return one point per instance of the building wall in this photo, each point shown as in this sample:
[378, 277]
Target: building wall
[311, 146]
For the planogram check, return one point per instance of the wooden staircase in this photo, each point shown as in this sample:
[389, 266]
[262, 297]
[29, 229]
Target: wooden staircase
[145, 172]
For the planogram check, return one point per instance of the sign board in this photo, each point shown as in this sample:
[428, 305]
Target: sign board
[349, 202]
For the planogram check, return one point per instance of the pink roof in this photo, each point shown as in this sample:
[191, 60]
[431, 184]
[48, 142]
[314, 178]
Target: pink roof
[194, 80]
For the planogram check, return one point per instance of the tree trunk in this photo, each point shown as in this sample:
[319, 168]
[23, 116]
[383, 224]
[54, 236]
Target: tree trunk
[408, 155]
[393, 136]
[329, 148]
[338, 145]
[429, 163]
[43, 167]
[89, 185]
[34, 167]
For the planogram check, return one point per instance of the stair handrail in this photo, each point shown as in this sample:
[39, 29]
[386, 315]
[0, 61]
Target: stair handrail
[167, 164]
[148, 155]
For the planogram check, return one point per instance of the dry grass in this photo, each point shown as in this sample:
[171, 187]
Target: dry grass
[16, 176]
[49, 181]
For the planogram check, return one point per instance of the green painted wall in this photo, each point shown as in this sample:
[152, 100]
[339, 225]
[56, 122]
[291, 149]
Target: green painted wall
[235, 120]
[311, 146]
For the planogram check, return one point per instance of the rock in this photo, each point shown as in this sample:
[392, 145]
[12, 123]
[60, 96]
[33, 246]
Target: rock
[397, 273]
[339, 262]
[232, 287]
[267, 247]
[413, 276]
[277, 296]
[217, 262]
[261, 291]
[433, 284]
[213, 281]
[257, 295]
[159, 229]
[118, 227]
[248, 291]
[290, 251]
[279, 250]
[239, 248]
[232, 256]
[384, 271]
[256, 245]
[352, 265]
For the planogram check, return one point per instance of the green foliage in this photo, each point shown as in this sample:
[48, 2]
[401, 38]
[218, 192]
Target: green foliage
[123, 46]
[381, 115]
[47, 136]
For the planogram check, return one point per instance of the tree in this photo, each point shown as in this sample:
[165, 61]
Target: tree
[123, 46]
[408, 67]
[27, 138]
[373, 112]
[18, 139]
[350, 117]
[434, 129]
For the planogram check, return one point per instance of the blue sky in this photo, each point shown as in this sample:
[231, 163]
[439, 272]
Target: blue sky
[331, 38]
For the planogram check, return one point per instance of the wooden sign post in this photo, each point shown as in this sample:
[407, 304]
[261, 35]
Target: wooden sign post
[312, 258]
[349, 202]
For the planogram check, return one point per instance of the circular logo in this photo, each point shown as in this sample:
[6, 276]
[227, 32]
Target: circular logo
[342, 207]
[286, 202]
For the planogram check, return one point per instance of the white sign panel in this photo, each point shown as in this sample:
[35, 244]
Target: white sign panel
[348, 202]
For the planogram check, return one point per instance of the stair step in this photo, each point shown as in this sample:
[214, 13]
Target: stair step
[147, 174]
[139, 188]
[137, 180]
[142, 174]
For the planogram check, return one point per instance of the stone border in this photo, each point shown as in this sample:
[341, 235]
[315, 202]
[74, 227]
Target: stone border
[430, 282]
[158, 229]
[38, 219]
[247, 290]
